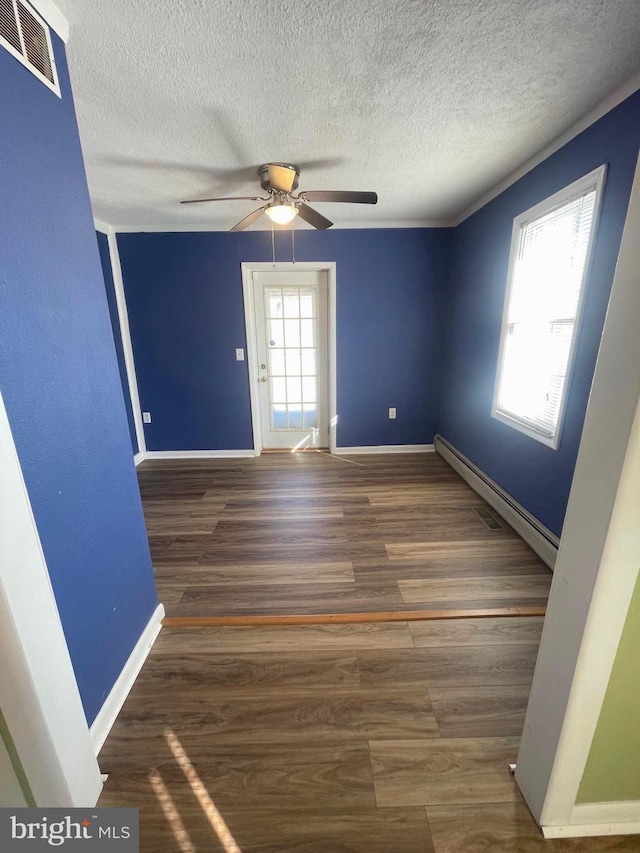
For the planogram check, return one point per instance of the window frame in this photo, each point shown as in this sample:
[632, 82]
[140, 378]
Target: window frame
[594, 180]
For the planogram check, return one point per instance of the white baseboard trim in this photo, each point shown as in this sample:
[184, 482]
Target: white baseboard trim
[587, 819]
[543, 541]
[138, 458]
[385, 448]
[199, 454]
[102, 724]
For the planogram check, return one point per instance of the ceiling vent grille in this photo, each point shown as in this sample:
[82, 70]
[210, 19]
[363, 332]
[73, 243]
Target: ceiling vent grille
[28, 37]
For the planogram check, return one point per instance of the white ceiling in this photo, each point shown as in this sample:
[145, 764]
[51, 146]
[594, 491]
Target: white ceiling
[428, 103]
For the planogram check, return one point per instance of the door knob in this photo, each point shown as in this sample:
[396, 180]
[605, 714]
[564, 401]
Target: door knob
[264, 379]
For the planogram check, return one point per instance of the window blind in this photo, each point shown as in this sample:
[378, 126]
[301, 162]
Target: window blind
[546, 284]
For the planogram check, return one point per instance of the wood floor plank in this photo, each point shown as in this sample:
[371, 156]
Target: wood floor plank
[492, 588]
[371, 569]
[171, 526]
[423, 772]
[219, 673]
[328, 830]
[276, 777]
[173, 507]
[258, 573]
[447, 666]
[180, 551]
[279, 598]
[288, 717]
[284, 515]
[270, 552]
[508, 828]
[450, 523]
[449, 492]
[364, 831]
[477, 632]
[395, 521]
[257, 503]
[487, 555]
[312, 532]
[383, 635]
[471, 712]
[169, 594]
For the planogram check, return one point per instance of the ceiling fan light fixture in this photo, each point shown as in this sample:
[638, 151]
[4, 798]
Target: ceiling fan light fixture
[281, 212]
[279, 180]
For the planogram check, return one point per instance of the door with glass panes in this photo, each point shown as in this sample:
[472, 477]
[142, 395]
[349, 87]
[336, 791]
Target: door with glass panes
[291, 331]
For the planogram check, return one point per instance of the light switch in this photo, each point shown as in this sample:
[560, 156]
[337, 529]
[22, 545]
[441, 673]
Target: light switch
[392, 413]
[146, 417]
[239, 354]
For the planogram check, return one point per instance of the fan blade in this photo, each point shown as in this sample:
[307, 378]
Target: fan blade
[340, 195]
[281, 178]
[244, 223]
[324, 163]
[313, 217]
[226, 198]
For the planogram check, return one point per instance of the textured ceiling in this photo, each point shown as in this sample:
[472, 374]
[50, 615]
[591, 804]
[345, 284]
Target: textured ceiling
[428, 103]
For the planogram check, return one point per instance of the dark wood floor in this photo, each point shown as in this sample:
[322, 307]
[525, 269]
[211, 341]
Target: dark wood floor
[389, 737]
[369, 738]
[308, 533]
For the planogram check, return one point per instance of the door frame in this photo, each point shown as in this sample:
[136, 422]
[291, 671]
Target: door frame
[248, 268]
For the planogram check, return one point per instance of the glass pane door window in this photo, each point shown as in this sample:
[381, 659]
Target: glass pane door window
[291, 347]
[291, 315]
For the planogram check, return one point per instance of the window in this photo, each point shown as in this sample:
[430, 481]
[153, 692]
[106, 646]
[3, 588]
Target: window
[550, 249]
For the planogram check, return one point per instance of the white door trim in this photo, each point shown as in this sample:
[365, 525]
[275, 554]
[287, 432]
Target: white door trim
[252, 357]
[38, 691]
[125, 335]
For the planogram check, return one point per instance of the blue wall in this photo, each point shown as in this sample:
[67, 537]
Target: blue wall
[105, 260]
[536, 475]
[59, 379]
[184, 298]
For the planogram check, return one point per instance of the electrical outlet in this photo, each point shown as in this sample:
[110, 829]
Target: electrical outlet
[146, 417]
[392, 413]
[239, 354]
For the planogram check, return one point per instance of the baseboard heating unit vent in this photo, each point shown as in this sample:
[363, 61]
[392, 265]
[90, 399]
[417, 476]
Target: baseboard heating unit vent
[28, 37]
[543, 541]
[487, 518]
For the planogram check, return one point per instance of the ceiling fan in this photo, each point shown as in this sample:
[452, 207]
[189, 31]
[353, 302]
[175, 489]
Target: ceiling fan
[279, 180]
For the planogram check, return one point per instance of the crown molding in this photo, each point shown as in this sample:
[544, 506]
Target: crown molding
[168, 228]
[101, 226]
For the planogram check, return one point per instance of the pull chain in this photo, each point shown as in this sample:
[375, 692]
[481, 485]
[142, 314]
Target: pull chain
[273, 246]
[293, 245]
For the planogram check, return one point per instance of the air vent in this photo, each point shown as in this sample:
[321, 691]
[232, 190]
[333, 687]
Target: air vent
[27, 36]
[488, 518]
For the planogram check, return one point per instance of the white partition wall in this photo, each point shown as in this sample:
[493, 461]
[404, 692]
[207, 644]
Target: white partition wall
[595, 575]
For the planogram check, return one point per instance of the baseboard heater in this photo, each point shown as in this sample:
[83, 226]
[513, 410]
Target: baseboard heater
[536, 535]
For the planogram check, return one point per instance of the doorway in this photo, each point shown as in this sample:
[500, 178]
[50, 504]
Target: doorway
[290, 325]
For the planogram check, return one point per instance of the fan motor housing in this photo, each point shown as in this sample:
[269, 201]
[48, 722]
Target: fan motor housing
[263, 174]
